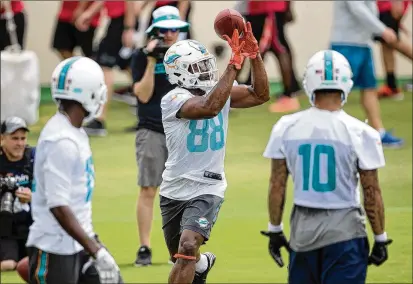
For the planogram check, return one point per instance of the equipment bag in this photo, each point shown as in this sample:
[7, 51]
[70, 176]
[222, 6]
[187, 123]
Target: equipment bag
[20, 77]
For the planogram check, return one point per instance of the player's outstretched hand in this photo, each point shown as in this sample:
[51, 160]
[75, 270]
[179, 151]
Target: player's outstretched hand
[277, 241]
[379, 252]
[237, 58]
[106, 266]
[251, 48]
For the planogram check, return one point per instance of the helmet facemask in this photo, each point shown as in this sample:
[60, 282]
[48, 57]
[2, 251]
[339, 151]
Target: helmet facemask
[203, 73]
[95, 108]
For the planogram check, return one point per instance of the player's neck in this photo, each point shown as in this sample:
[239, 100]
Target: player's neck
[73, 118]
[329, 105]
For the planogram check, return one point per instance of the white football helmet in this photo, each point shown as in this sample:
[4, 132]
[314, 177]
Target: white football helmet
[328, 70]
[188, 64]
[80, 79]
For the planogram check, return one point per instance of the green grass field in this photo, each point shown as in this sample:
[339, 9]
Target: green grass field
[241, 251]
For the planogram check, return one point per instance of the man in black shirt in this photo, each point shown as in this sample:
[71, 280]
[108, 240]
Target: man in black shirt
[150, 85]
[16, 161]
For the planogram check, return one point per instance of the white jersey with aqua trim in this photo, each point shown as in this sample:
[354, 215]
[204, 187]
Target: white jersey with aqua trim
[323, 151]
[196, 149]
[64, 176]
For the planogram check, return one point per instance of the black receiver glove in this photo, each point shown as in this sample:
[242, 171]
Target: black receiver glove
[277, 241]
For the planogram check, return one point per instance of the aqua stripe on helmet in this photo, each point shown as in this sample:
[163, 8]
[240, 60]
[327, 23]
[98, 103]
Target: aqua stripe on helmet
[328, 65]
[61, 83]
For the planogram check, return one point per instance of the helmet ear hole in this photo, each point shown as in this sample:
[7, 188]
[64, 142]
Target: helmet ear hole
[93, 96]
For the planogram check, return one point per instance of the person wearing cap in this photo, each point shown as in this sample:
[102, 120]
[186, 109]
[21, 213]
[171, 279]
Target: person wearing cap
[150, 85]
[16, 160]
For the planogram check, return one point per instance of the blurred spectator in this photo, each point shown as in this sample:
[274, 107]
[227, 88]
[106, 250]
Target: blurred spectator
[19, 17]
[391, 14]
[16, 161]
[67, 36]
[115, 48]
[184, 7]
[150, 85]
[268, 19]
[354, 25]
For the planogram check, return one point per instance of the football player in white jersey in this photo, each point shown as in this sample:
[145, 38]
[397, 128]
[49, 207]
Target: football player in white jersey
[327, 152]
[63, 247]
[195, 119]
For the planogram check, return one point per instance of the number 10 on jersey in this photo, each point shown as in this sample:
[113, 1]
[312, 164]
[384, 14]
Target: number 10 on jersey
[311, 166]
[199, 140]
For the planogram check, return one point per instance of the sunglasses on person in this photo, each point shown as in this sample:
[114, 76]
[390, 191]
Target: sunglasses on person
[165, 30]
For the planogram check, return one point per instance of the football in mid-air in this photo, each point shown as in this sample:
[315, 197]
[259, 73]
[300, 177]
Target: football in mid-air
[227, 21]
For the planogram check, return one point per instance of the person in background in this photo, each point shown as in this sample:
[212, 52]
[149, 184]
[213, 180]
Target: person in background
[150, 85]
[391, 14]
[268, 19]
[184, 7]
[355, 23]
[66, 36]
[16, 161]
[115, 49]
[19, 17]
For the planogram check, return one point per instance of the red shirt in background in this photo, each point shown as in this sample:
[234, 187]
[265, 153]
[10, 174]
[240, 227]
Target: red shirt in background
[66, 12]
[265, 7]
[115, 9]
[163, 3]
[385, 6]
[16, 7]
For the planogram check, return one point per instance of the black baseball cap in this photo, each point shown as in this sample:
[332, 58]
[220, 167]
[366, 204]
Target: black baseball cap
[12, 124]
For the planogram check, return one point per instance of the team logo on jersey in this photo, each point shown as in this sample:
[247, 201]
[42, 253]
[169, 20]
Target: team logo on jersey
[203, 222]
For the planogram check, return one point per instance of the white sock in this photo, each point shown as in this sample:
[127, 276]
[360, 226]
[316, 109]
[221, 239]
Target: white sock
[382, 131]
[202, 264]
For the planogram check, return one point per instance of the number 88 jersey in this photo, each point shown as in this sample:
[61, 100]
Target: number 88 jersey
[323, 151]
[196, 148]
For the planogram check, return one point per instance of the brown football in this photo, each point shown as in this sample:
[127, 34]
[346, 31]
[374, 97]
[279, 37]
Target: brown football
[227, 21]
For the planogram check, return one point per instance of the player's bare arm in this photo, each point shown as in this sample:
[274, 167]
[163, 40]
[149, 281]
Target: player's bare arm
[69, 223]
[277, 190]
[373, 201]
[276, 201]
[200, 107]
[259, 92]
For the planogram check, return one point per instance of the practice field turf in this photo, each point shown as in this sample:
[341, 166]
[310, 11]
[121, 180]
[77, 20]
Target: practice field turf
[241, 251]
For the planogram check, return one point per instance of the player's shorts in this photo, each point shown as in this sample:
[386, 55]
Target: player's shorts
[278, 38]
[343, 262]
[108, 52]
[151, 155]
[11, 249]
[362, 64]
[20, 21]
[63, 269]
[67, 37]
[388, 19]
[198, 214]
